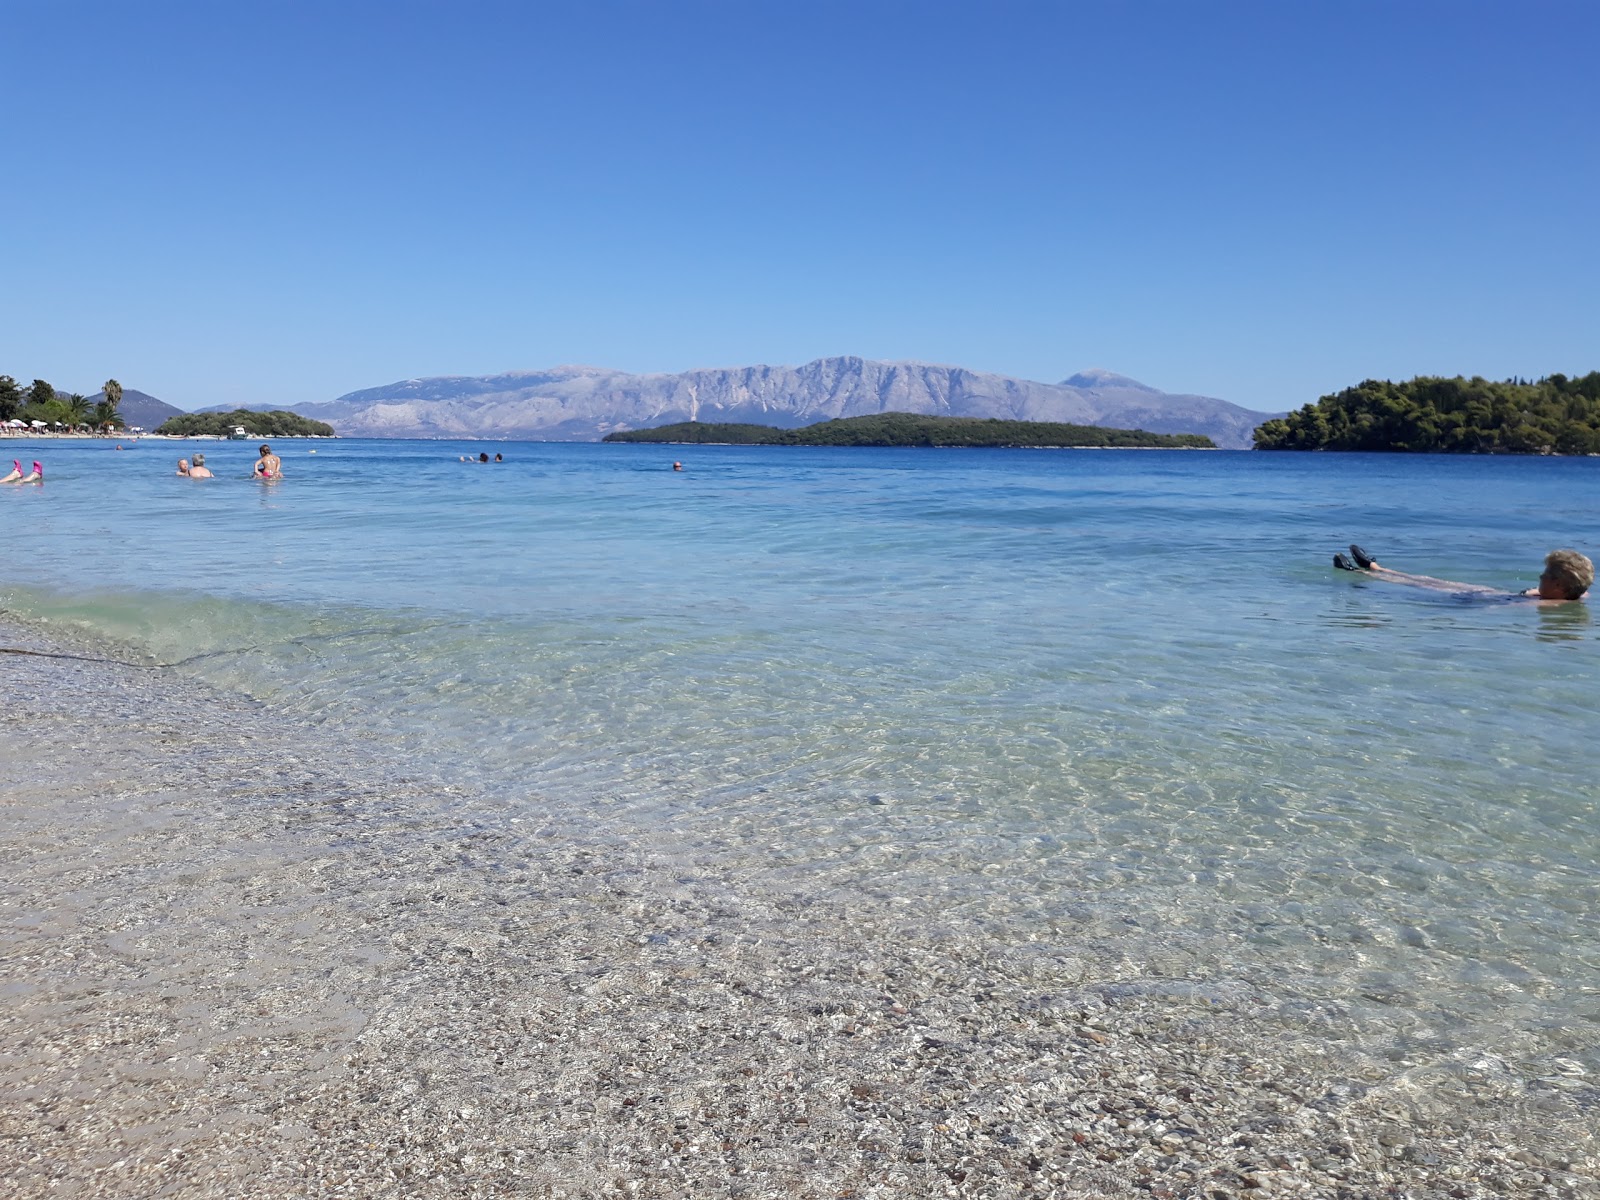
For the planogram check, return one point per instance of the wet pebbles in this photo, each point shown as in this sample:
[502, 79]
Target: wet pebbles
[244, 958]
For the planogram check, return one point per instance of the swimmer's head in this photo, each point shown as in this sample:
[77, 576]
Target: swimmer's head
[199, 460]
[1567, 575]
[265, 449]
[677, 466]
[483, 456]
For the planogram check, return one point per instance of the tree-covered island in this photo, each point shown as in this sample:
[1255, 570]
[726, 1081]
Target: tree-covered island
[1556, 415]
[909, 429]
[277, 423]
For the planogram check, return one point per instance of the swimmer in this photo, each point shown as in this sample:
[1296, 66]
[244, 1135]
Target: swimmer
[269, 465]
[17, 476]
[16, 472]
[483, 456]
[498, 457]
[677, 466]
[199, 470]
[1567, 576]
[183, 466]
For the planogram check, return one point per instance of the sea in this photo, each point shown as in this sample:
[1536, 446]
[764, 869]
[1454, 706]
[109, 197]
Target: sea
[1112, 698]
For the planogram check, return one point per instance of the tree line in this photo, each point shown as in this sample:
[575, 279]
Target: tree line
[1430, 414]
[910, 429]
[278, 423]
[41, 402]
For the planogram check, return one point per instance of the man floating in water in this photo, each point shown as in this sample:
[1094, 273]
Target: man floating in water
[1567, 576]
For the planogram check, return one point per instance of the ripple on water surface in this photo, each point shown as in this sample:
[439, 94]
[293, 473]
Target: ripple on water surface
[1105, 697]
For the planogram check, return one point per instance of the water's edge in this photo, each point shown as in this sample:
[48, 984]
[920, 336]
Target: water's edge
[266, 945]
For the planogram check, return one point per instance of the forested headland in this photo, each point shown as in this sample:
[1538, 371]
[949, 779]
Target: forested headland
[1555, 415]
[909, 429]
[277, 423]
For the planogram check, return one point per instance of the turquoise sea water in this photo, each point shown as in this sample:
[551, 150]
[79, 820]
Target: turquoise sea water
[1116, 698]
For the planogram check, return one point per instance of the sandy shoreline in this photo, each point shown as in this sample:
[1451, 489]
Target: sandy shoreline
[242, 957]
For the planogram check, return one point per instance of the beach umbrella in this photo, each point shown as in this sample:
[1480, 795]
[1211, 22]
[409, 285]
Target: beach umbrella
[37, 424]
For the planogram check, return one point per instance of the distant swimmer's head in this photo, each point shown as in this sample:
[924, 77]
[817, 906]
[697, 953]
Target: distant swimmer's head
[499, 457]
[265, 449]
[199, 460]
[1567, 575]
[483, 456]
[183, 466]
[677, 466]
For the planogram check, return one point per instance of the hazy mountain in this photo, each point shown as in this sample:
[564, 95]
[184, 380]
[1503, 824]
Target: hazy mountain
[140, 408]
[585, 403]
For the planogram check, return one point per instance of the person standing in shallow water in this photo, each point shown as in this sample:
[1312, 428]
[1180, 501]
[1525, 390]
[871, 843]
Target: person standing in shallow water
[269, 465]
[199, 470]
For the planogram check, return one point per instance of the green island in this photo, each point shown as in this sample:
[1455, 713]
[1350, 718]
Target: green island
[909, 429]
[277, 423]
[1433, 415]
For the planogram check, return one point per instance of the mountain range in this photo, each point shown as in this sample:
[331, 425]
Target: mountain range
[575, 403]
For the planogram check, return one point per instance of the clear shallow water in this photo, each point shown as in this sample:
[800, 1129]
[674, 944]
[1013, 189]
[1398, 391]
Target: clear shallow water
[1110, 698]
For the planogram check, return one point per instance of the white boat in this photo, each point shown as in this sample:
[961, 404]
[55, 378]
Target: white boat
[238, 434]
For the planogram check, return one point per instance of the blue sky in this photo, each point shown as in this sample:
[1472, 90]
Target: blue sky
[281, 202]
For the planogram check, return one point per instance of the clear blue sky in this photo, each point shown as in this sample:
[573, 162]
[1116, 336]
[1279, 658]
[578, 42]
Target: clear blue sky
[280, 202]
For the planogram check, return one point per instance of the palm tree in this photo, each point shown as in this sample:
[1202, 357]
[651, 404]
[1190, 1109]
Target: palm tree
[77, 406]
[105, 412]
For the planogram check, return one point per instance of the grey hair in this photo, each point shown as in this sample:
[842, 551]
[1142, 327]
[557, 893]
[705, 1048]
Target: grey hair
[1573, 571]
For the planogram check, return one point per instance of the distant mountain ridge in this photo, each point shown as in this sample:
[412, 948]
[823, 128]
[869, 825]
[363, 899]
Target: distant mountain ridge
[141, 408]
[581, 403]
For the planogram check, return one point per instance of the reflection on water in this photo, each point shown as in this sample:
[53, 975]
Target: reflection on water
[1563, 622]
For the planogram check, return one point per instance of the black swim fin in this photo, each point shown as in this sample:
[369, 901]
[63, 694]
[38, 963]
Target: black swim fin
[1363, 559]
[1343, 563]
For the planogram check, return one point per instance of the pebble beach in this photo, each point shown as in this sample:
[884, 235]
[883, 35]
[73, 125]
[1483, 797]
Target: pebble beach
[244, 956]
